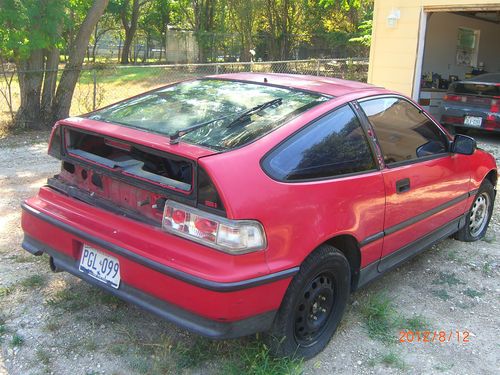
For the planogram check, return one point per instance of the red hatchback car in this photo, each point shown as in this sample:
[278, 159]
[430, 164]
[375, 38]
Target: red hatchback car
[244, 203]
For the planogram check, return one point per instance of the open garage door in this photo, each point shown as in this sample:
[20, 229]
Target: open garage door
[457, 45]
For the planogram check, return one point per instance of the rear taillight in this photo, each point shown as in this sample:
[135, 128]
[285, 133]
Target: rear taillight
[495, 106]
[230, 236]
[55, 142]
[455, 98]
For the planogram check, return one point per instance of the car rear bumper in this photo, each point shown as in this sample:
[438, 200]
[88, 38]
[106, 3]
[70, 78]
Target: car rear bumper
[235, 306]
[170, 312]
[457, 118]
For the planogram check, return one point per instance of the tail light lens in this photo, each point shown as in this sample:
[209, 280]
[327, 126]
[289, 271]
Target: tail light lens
[454, 98]
[495, 106]
[230, 236]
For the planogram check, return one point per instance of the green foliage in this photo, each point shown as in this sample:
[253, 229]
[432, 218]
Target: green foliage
[393, 359]
[255, 359]
[380, 319]
[28, 25]
[17, 340]
[416, 323]
[32, 282]
[365, 33]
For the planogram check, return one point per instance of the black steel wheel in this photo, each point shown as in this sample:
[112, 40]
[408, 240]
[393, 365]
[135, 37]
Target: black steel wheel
[313, 305]
[313, 309]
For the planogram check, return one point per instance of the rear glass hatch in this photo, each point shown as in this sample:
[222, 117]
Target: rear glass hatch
[215, 113]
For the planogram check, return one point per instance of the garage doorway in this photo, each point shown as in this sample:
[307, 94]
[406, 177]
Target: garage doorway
[454, 44]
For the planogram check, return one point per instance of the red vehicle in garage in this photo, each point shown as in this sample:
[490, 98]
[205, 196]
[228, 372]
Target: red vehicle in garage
[245, 203]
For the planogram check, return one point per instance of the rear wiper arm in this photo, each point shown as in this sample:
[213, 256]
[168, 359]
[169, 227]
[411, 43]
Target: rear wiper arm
[246, 115]
[174, 138]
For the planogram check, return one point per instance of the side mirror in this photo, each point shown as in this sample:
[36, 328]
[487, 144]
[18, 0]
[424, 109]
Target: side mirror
[463, 144]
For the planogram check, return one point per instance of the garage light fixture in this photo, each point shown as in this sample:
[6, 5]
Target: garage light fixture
[393, 17]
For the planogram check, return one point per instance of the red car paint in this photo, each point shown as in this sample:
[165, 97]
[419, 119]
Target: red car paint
[297, 217]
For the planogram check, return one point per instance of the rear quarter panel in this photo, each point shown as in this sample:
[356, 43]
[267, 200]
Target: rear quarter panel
[298, 217]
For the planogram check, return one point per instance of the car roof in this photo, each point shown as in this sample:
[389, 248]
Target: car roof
[319, 84]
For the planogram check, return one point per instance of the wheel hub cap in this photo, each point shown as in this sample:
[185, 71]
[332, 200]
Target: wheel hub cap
[479, 214]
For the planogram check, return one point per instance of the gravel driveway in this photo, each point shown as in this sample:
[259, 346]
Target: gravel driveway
[55, 324]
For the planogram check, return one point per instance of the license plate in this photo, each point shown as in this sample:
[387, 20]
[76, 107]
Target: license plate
[100, 266]
[473, 121]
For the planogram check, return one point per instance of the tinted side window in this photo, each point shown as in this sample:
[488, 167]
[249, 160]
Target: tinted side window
[334, 145]
[404, 133]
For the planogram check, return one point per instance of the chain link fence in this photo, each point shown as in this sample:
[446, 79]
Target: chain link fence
[101, 85]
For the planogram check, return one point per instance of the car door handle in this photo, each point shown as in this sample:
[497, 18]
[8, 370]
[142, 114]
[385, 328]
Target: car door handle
[403, 185]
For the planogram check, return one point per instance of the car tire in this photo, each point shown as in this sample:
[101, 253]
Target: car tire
[479, 214]
[313, 305]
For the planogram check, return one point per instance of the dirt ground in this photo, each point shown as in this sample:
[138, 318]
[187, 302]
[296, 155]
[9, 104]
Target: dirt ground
[55, 324]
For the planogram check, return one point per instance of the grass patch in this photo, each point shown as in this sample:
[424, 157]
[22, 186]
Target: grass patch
[17, 340]
[380, 318]
[236, 357]
[80, 297]
[416, 323]
[393, 359]
[3, 329]
[487, 269]
[447, 278]
[200, 351]
[453, 255]
[141, 365]
[6, 290]
[255, 359]
[43, 356]
[51, 326]
[442, 294]
[25, 259]
[32, 282]
[473, 293]
[89, 345]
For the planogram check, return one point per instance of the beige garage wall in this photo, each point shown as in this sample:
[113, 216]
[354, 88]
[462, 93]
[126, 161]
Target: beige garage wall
[393, 54]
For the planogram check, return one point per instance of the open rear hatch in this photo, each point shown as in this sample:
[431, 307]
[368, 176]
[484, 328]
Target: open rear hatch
[128, 178]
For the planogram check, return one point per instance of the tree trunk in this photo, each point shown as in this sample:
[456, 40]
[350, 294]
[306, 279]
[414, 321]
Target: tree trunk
[96, 39]
[30, 74]
[69, 78]
[49, 83]
[130, 29]
[127, 43]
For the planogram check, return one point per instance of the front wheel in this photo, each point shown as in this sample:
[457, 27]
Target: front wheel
[479, 215]
[313, 305]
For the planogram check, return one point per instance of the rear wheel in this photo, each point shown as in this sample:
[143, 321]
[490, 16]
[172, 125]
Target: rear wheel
[479, 215]
[313, 305]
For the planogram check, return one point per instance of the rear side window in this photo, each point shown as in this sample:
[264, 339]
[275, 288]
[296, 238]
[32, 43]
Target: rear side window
[403, 131]
[332, 146]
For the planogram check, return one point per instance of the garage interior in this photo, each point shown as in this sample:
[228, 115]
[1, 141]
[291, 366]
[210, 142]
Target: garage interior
[457, 46]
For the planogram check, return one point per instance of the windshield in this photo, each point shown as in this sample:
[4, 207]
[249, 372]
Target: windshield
[184, 105]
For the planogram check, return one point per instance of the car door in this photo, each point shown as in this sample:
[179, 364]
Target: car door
[426, 186]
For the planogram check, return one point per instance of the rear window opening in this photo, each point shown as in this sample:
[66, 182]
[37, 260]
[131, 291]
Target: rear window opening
[132, 160]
